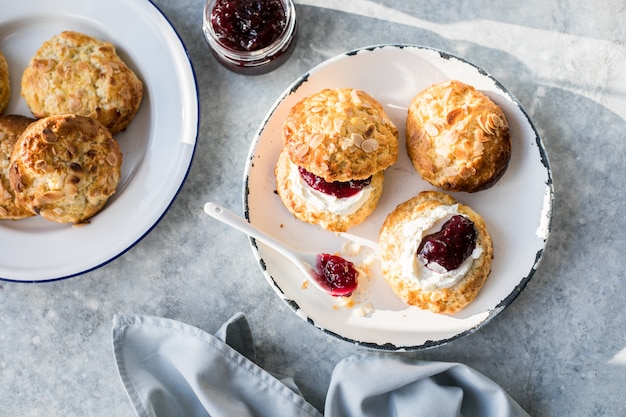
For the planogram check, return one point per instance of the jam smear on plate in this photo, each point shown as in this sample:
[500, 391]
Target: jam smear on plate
[450, 246]
[248, 25]
[336, 274]
[339, 189]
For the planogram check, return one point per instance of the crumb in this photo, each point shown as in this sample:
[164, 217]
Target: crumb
[351, 248]
[364, 310]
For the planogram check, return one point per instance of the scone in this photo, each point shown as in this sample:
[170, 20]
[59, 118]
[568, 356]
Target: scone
[11, 127]
[65, 167]
[73, 73]
[337, 144]
[435, 252]
[5, 84]
[457, 138]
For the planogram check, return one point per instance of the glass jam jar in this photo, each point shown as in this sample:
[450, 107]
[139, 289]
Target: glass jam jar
[250, 36]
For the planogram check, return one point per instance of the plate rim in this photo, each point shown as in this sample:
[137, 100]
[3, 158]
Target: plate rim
[188, 66]
[502, 304]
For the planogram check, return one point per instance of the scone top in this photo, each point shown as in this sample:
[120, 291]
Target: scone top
[74, 73]
[457, 138]
[340, 135]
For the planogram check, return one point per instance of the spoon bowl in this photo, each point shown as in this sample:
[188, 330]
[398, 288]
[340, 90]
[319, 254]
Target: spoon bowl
[305, 262]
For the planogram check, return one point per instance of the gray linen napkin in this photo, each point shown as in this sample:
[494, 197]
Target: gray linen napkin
[171, 369]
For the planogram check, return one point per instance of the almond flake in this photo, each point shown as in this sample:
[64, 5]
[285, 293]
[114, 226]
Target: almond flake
[355, 96]
[112, 159]
[494, 120]
[51, 196]
[484, 126]
[357, 139]
[72, 179]
[346, 143]
[466, 172]
[338, 124]
[302, 150]
[315, 139]
[459, 152]
[449, 138]
[70, 190]
[49, 136]
[74, 104]
[452, 115]
[450, 171]
[431, 129]
[369, 145]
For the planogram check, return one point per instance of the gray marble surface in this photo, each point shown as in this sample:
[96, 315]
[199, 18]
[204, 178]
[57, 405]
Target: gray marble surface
[559, 349]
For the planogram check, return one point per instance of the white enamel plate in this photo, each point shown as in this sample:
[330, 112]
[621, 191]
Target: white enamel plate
[158, 146]
[517, 209]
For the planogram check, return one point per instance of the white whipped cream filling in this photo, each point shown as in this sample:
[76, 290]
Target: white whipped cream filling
[324, 202]
[413, 270]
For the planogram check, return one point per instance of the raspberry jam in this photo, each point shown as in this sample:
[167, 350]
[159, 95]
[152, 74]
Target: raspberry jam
[337, 275]
[449, 247]
[248, 25]
[250, 36]
[338, 189]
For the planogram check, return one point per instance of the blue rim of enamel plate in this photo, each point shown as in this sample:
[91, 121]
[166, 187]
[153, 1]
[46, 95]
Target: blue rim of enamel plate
[25, 12]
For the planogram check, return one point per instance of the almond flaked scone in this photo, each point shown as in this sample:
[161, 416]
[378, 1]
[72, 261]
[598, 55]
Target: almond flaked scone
[73, 73]
[65, 168]
[337, 144]
[457, 138]
[436, 253]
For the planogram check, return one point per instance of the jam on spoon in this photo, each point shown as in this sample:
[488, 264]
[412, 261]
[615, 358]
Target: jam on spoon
[339, 189]
[337, 275]
[333, 275]
[449, 247]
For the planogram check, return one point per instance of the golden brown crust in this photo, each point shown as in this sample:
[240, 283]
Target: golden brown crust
[457, 138]
[11, 127]
[73, 73]
[5, 84]
[307, 213]
[340, 135]
[65, 167]
[392, 241]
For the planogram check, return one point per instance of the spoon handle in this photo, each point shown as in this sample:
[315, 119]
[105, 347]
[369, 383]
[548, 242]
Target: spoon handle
[228, 217]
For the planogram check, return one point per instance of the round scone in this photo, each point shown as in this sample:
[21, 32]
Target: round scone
[457, 138]
[337, 144]
[11, 127]
[5, 84]
[73, 73]
[435, 252]
[65, 167]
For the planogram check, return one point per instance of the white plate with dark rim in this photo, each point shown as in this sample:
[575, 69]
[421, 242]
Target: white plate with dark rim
[518, 209]
[158, 146]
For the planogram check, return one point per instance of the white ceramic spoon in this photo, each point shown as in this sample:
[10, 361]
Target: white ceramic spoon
[304, 261]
